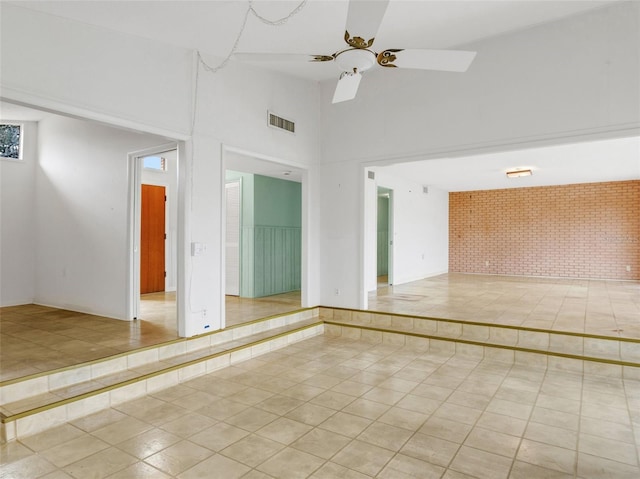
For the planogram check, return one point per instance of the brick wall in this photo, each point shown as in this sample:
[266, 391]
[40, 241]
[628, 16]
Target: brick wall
[577, 231]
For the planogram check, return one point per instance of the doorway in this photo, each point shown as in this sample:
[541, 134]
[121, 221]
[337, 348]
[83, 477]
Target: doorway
[384, 248]
[152, 239]
[232, 238]
[155, 193]
[263, 224]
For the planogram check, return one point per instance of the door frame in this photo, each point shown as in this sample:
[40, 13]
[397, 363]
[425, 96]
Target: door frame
[134, 220]
[308, 298]
[226, 211]
[389, 192]
[390, 242]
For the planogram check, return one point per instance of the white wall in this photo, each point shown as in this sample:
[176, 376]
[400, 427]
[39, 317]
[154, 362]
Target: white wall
[81, 215]
[339, 234]
[168, 179]
[80, 69]
[17, 222]
[420, 229]
[233, 107]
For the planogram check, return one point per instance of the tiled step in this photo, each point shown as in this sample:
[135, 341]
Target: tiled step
[564, 350]
[40, 402]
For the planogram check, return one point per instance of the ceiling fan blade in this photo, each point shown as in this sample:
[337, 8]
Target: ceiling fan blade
[347, 87]
[282, 57]
[444, 60]
[363, 21]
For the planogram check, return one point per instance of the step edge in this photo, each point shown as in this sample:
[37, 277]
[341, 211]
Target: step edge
[617, 362]
[494, 325]
[4, 419]
[124, 354]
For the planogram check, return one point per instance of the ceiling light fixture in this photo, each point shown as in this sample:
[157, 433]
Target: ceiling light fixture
[518, 173]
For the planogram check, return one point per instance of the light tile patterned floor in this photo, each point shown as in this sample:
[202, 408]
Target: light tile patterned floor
[607, 308]
[38, 338]
[335, 408]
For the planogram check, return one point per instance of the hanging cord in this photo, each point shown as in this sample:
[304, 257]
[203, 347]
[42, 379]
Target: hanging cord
[225, 61]
[266, 21]
[280, 21]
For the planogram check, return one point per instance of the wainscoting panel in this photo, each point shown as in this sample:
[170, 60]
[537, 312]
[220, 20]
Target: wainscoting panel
[277, 260]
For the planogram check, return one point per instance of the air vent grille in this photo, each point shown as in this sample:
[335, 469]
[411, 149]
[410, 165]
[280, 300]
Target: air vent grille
[371, 175]
[276, 121]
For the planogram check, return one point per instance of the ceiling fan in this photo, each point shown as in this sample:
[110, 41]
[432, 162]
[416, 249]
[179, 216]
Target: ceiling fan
[363, 21]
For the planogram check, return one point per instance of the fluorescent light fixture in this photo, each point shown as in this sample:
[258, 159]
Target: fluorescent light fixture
[518, 173]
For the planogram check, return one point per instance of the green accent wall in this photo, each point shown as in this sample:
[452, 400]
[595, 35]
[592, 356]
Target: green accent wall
[383, 233]
[278, 202]
[271, 235]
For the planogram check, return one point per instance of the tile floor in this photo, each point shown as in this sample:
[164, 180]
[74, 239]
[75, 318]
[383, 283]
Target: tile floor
[240, 310]
[607, 308]
[335, 408]
[160, 308]
[38, 338]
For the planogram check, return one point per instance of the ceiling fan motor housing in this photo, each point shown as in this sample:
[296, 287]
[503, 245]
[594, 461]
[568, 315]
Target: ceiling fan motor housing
[359, 59]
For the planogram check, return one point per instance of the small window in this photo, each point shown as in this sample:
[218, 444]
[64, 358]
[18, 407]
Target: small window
[11, 141]
[155, 163]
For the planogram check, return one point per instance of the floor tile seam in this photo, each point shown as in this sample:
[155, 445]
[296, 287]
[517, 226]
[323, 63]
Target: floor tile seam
[351, 440]
[291, 445]
[472, 426]
[253, 468]
[515, 454]
[125, 466]
[635, 429]
[491, 345]
[528, 421]
[285, 445]
[5, 419]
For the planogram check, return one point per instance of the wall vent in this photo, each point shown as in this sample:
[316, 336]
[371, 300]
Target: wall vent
[276, 121]
[425, 190]
[372, 175]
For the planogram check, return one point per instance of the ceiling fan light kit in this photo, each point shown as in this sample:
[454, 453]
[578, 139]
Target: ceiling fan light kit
[364, 18]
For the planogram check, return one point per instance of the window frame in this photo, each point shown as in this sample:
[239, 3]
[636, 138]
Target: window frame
[163, 162]
[21, 144]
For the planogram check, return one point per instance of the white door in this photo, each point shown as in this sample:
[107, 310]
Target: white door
[232, 248]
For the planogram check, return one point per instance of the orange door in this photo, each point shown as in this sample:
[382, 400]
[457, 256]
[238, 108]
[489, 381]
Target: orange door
[152, 239]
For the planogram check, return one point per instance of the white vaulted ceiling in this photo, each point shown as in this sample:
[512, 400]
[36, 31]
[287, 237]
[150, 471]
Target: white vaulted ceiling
[212, 26]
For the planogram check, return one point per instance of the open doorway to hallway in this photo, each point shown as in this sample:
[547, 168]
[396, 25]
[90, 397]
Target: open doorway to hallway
[263, 239]
[156, 185]
[384, 250]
